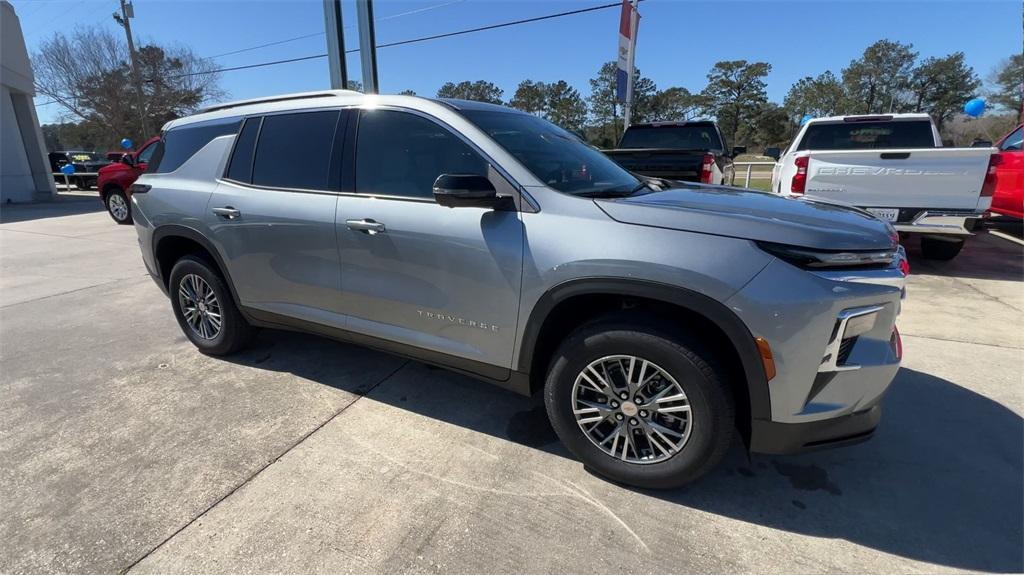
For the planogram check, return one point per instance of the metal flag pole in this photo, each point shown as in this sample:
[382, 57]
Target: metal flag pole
[629, 22]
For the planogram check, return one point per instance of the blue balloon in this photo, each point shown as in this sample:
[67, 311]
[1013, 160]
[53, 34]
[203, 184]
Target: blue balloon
[67, 169]
[127, 143]
[975, 107]
[805, 119]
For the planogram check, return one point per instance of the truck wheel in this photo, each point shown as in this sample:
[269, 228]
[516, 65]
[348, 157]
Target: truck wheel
[118, 206]
[204, 308]
[638, 405]
[940, 248]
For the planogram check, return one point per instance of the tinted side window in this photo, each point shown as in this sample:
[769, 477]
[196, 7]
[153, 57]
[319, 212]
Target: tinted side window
[1014, 141]
[146, 154]
[400, 154]
[294, 150]
[180, 144]
[240, 168]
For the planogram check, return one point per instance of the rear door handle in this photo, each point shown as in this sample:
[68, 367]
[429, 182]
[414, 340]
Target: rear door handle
[366, 225]
[227, 212]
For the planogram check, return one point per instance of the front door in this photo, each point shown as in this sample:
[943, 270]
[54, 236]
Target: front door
[414, 272]
[272, 217]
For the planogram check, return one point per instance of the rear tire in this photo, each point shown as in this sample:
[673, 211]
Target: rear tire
[118, 206]
[681, 454]
[204, 308]
[943, 249]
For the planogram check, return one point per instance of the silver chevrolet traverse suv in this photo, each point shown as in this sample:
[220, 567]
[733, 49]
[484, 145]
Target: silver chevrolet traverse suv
[659, 319]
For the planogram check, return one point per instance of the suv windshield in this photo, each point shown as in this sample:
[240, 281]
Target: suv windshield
[558, 158]
[866, 135]
[697, 137]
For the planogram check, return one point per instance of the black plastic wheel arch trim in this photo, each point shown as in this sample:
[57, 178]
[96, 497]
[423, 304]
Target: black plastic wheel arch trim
[712, 310]
[175, 230]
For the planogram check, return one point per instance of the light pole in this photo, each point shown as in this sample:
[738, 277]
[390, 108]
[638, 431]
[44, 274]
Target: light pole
[124, 19]
[367, 46]
[335, 44]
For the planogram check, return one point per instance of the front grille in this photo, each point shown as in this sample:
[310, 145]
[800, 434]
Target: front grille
[845, 347]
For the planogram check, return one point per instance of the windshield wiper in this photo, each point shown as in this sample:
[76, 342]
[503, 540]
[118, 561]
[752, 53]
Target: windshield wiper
[613, 192]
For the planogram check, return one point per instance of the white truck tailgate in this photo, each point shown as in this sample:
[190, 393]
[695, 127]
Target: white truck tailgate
[936, 178]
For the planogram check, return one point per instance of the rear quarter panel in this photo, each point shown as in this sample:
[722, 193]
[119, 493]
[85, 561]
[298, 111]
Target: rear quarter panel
[179, 197]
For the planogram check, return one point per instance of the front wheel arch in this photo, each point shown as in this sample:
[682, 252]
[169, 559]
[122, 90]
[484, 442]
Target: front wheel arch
[581, 300]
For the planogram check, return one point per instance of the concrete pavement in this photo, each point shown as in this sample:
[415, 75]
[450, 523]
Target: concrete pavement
[121, 448]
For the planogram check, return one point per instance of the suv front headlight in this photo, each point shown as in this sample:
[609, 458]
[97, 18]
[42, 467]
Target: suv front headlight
[823, 260]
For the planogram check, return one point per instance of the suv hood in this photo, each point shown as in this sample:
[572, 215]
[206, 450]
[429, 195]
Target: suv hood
[753, 215]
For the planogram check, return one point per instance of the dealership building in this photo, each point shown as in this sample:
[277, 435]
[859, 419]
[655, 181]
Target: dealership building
[24, 171]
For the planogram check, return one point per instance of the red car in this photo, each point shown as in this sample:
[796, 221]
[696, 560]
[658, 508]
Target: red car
[116, 179]
[1008, 198]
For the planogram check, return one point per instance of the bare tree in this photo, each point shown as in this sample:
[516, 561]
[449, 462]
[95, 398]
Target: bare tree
[89, 75]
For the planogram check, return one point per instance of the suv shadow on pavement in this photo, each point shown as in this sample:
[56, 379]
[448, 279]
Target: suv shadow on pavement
[941, 483]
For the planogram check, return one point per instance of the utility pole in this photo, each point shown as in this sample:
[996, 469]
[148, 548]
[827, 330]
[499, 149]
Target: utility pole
[367, 46]
[124, 19]
[335, 44]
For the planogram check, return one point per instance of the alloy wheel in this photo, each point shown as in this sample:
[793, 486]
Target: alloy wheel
[632, 409]
[118, 207]
[199, 306]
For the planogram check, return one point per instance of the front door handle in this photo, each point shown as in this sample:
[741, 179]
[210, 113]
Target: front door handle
[366, 225]
[227, 212]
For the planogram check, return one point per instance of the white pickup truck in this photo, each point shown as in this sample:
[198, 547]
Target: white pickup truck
[895, 167]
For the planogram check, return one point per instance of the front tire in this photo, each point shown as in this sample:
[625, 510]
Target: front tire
[118, 206]
[205, 309]
[943, 249]
[640, 405]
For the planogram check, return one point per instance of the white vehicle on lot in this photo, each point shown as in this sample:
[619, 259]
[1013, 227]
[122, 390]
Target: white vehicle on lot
[895, 167]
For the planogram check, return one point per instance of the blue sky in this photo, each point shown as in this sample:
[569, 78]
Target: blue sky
[678, 43]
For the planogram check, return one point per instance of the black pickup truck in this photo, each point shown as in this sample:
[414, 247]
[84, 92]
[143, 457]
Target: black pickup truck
[84, 163]
[689, 151]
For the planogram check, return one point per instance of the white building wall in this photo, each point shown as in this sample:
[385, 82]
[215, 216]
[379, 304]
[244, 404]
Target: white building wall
[24, 171]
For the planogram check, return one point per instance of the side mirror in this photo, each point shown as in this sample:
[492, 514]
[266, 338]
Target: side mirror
[738, 150]
[981, 144]
[465, 191]
[128, 160]
[773, 153]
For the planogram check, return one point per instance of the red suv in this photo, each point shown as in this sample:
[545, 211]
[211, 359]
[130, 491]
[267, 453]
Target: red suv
[116, 179]
[1008, 198]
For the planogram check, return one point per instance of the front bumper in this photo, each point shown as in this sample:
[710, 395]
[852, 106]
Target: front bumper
[775, 438]
[947, 222]
[832, 369]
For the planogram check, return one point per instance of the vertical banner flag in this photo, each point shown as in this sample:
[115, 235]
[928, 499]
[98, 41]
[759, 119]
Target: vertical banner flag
[629, 21]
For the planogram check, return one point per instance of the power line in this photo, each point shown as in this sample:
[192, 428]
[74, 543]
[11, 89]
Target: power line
[502, 25]
[232, 68]
[285, 41]
[315, 34]
[410, 41]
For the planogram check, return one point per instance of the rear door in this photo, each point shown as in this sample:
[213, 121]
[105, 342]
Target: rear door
[272, 215]
[945, 178]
